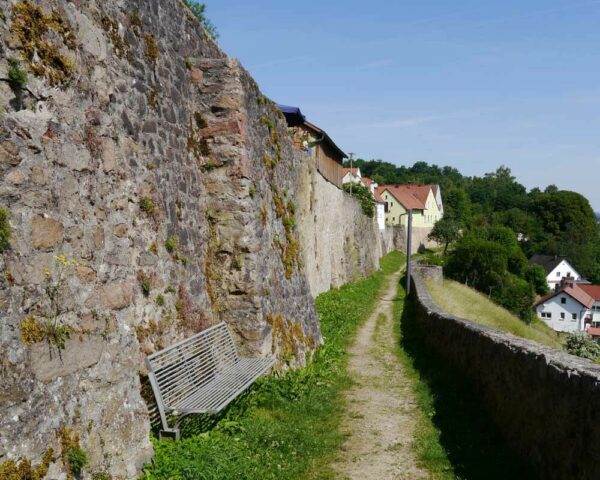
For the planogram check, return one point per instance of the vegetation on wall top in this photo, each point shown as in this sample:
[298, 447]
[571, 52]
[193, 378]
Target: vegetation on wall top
[199, 9]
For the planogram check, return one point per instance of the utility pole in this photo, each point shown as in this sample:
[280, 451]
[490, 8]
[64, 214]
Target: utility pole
[351, 155]
[408, 250]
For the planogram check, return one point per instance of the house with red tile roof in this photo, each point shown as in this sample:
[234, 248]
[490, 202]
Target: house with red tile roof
[423, 200]
[570, 308]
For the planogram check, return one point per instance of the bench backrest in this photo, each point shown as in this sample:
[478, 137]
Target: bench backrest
[188, 365]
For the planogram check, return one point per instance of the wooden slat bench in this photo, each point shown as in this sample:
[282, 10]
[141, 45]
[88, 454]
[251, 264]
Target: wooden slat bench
[201, 374]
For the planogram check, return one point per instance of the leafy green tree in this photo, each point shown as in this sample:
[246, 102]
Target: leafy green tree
[480, 263]
[536, 276]
[199, 10]
[516, 295]
[445, 232]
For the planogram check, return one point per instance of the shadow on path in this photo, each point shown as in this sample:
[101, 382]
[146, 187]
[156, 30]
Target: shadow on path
[473, 443]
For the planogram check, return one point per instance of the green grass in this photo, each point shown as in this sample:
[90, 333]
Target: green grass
[455, 438]
[286, 426]
[462, 301]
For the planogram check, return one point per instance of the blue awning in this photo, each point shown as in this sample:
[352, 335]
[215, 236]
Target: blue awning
[293, 115]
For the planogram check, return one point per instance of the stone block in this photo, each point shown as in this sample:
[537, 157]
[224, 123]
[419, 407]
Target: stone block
[46, 232]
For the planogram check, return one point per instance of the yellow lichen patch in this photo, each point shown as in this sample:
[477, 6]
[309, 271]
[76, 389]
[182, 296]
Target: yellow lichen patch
[287, 337]
[11, 470]
[111, 27]
[151, 48]
[32, 331]
[34, 30]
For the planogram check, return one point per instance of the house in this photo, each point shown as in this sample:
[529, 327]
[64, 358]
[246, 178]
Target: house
[556, 268]
[424, 201]
[567, 309]
[353, 175]
[594, 292]
[314, 141]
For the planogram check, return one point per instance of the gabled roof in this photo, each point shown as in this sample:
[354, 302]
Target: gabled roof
[366, 181]
[354, 171]
[575, 292]
[419, 191]
[405, 198]
[592, 290]
[549, 262]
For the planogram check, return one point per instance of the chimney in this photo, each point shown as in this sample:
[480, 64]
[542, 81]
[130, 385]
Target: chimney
[567, 282]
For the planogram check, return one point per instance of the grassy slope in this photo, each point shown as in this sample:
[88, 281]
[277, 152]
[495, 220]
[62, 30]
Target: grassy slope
[462, 301]
[287, 426]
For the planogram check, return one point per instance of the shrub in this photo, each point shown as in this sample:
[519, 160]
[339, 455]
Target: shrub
[77, 459]
[517, 296]
[364, 196]
[147, 205]
[536, 276]
[582, 345]
[172, 244]
[160, 300]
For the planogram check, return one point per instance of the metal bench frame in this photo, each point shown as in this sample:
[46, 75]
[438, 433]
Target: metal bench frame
[201, 374]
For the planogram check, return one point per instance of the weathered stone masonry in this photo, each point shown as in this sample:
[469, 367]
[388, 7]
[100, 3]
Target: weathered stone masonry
[545, 401]
[152, 162]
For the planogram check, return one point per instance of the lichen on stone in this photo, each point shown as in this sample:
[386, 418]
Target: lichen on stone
[152, 50]
[23, 469]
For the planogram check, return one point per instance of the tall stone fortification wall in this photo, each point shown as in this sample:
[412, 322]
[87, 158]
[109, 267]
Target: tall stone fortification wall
[339, 243]
[545, 401]
[151, 161]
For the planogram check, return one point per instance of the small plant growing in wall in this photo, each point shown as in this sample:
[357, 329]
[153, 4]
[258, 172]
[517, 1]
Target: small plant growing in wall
[145, 283]
[5, 230]
[147, 205]
[172, 244]
[47, 325]
[17, 77]
[73, 456]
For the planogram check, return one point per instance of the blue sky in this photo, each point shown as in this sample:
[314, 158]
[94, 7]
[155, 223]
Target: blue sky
[472, 84]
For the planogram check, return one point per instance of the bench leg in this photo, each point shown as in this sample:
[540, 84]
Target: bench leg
[169, 434]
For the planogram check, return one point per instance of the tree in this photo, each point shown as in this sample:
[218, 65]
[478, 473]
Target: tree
[536, 276]
[517, 296]
[582, 345]
[445, 231]
[199, 9]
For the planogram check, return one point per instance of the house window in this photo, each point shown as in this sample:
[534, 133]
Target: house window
[568, 274]
[563, 300]
[574, 316]
[557, 274]
[562, 316]
[393, 219]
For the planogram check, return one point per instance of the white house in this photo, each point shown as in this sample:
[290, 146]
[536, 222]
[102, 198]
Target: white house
[567, 309]
[556, 267]
[351, 175]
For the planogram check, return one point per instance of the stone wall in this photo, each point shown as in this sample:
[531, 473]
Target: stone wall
[545, 401]
[152, 191]
[339, 243]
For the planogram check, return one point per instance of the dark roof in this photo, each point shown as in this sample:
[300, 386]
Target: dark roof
[294, 117]
[549, 262]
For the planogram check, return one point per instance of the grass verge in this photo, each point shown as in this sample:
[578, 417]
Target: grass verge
[286, 426]
[455, 438]
[460, 300]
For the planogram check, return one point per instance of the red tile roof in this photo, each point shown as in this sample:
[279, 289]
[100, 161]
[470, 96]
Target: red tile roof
[354, 171]
[592, 290]
[419, 191]
[593, 331]
[366, 181]
[574, 292]
[406, 198]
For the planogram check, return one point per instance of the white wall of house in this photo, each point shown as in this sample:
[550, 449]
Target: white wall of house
[380, 215]
[563, 269]
[559, 316]
[596, 314]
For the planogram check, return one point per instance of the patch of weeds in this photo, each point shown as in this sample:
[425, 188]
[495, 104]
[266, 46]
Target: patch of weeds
[145, 283]
[160, 300]
[135, 20]
[263, 215]
[251, 191]
[101, 476]
[152, 50]
[147, 206]
[189, 63]
[10, 280]
[73, 456]
[170, 289]
[153, 97]
[153, 248]
[172, 244]
[5, 230]
[17, 77]
[24, 470]
[37, 31]
[111, 27]
[150, 166]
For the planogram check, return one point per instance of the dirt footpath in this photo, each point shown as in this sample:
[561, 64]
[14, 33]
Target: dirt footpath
[381, 409]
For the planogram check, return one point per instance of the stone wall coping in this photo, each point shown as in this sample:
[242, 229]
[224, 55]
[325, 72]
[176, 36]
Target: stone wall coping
[573, 365]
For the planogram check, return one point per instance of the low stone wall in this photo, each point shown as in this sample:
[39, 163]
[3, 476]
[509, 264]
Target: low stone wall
[546, 402]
